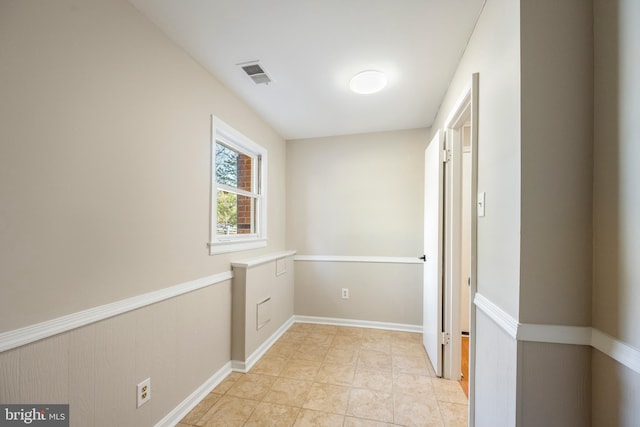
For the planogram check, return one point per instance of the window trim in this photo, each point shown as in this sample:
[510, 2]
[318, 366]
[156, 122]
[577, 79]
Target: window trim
[225, 134]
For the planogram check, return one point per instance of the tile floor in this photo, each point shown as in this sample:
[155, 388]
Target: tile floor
[323, 375]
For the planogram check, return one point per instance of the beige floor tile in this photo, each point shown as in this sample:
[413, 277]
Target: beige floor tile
[408, 349]
[449, 391]
[293, 337]
[418, 385]
[415, 411]
[372, 405]
[301, 327]
[324, 375]
[375, 344]
[325, 329]
[340, 340]
[201, 408]
[312, 352]
[349, 331]
[373, 380]
[314, 338]
[410, 364]
[454, 414]
[309, 418]
[328, 398]
[228, 411]
[342, 355]
[282, 350]
[408, 337]
[252, 386]
[369, 338]
[359, 422]
[377, 332]
[226, 384]
[370, 359]
[269, 366]
[286, 391]
[336, 374]
[301, 370]
[272, 415]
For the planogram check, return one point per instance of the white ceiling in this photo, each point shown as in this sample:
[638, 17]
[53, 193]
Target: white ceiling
[312, 48]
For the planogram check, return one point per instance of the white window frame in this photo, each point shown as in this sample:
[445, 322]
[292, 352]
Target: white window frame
[225, 134]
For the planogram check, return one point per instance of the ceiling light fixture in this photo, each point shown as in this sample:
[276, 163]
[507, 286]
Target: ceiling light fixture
[369, 81]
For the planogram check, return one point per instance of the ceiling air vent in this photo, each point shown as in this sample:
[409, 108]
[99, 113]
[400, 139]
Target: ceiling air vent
[256, 72]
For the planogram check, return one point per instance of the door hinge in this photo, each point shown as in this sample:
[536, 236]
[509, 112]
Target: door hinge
[444, 338]
[446, 156]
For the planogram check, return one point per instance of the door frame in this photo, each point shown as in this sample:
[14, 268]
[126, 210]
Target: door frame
[465, 110]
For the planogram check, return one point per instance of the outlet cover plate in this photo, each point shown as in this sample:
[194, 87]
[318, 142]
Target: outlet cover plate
[143, 392]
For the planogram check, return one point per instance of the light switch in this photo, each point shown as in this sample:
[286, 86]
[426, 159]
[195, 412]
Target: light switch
[481, 203]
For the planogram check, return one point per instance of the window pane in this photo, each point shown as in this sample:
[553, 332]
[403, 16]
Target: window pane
[233, 168]
[235, 214]
[227, 213]
[246, 215]
[245, 173]
[226, 165]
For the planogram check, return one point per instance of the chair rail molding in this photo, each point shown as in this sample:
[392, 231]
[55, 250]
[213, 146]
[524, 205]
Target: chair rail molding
[360, 259]
[618, 350]
[28, 334]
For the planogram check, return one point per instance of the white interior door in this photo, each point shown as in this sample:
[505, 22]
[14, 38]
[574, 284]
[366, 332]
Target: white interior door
[433, 238]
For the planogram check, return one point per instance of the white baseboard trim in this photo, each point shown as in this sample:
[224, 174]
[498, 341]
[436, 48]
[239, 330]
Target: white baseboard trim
[180, 411]
[620, 351]
[245, 366]
[360, 259]
[39, 331]
[358, 323]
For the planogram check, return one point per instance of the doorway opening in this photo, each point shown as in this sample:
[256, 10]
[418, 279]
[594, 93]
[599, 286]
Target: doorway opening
[450, 244]
[460, 235]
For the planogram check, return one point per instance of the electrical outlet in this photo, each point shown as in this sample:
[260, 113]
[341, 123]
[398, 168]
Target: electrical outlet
[144, 392]
[345, 293]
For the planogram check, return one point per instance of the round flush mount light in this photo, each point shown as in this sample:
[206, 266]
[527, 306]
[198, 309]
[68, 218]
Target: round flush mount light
[369, 81]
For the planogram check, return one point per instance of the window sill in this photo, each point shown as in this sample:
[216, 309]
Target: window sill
[226, 247]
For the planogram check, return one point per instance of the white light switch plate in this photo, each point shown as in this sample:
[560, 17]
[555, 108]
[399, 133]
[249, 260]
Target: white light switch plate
[481, 203]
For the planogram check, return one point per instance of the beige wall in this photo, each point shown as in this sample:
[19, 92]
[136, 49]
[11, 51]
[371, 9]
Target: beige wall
[617, 156]
[555, 381]
[104, 182]
[494, 52]
[179, 343]
[616, 391]
[104, 159]
[535, 166]
[557, 162]
[556, 210]
[357, 195]
[616, 292]
[390, 293]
